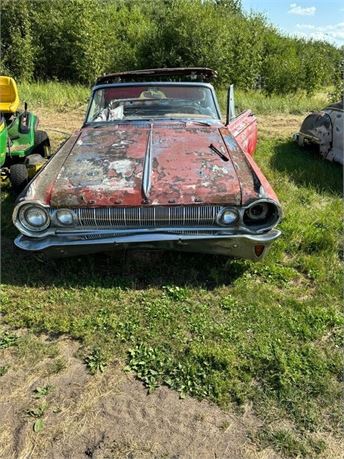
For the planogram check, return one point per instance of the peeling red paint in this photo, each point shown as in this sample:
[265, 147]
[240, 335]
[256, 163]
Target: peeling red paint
[244, 129]
[40, 188]
[105, 167]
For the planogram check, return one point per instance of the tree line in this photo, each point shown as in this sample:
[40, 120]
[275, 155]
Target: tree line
[77, 40]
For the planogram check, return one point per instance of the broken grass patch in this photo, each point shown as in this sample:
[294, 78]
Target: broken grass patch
[8, 340]
[95, 361]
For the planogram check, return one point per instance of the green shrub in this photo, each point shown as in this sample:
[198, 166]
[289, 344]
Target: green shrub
[76, 40]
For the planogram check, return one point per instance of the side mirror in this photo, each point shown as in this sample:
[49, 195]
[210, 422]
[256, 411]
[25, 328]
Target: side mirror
[230, 104]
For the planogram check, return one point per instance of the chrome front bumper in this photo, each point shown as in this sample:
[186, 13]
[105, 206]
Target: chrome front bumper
[234, 245]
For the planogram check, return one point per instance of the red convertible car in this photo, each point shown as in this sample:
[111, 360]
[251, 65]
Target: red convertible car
[154, 167]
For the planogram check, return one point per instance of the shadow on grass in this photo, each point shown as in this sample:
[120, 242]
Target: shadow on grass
[7, 205]
[306, 167]
[126, 269]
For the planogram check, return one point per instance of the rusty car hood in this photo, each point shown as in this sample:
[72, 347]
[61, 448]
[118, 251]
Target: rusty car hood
[105, 166]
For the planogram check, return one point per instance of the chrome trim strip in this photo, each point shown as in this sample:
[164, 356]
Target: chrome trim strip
[162, 229]
[147, 167]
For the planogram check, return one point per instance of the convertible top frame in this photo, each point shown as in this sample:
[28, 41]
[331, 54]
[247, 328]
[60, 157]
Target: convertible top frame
[167, 74]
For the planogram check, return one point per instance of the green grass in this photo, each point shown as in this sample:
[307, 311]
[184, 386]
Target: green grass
[260, 103]
[227, 330]
[289, 444]
[53, 95]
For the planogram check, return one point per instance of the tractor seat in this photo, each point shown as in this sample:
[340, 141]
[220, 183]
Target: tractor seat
[9, 99]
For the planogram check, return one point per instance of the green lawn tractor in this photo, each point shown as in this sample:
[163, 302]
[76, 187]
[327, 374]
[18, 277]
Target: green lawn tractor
[23, 148]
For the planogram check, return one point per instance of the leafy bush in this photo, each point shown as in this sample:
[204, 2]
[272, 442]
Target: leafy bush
[76, 40]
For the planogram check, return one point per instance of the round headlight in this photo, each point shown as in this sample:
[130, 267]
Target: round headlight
[34, 218]
[258, 211]
[65, 217]
[227, 217]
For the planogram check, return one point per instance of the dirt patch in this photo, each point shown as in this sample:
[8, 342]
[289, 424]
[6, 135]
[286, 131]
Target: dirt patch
[278, 125]
[109, 415]
[67, 121]
[60, 125]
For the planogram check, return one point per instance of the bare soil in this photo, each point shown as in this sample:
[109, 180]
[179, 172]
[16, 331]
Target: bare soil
[278, 125]
[109, 415]
[60, 125]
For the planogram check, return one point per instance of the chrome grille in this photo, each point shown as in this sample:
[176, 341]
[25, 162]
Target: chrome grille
[147, 216]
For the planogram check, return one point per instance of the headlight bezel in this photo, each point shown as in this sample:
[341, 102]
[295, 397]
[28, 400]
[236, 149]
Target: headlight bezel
[23, 224]
[51, 224]
[270, 218]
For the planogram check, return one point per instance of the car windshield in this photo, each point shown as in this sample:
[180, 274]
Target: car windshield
[151, 101]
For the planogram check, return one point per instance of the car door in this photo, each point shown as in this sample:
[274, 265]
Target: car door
[243, 126]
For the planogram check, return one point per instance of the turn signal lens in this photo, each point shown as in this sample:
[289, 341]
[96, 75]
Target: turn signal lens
[259, 249]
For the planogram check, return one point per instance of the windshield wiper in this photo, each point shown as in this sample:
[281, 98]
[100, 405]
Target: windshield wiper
[218, 152]
[203, 123]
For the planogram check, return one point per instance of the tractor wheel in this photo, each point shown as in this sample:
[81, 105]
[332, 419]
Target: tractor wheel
[42, 144]
[19, 177]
